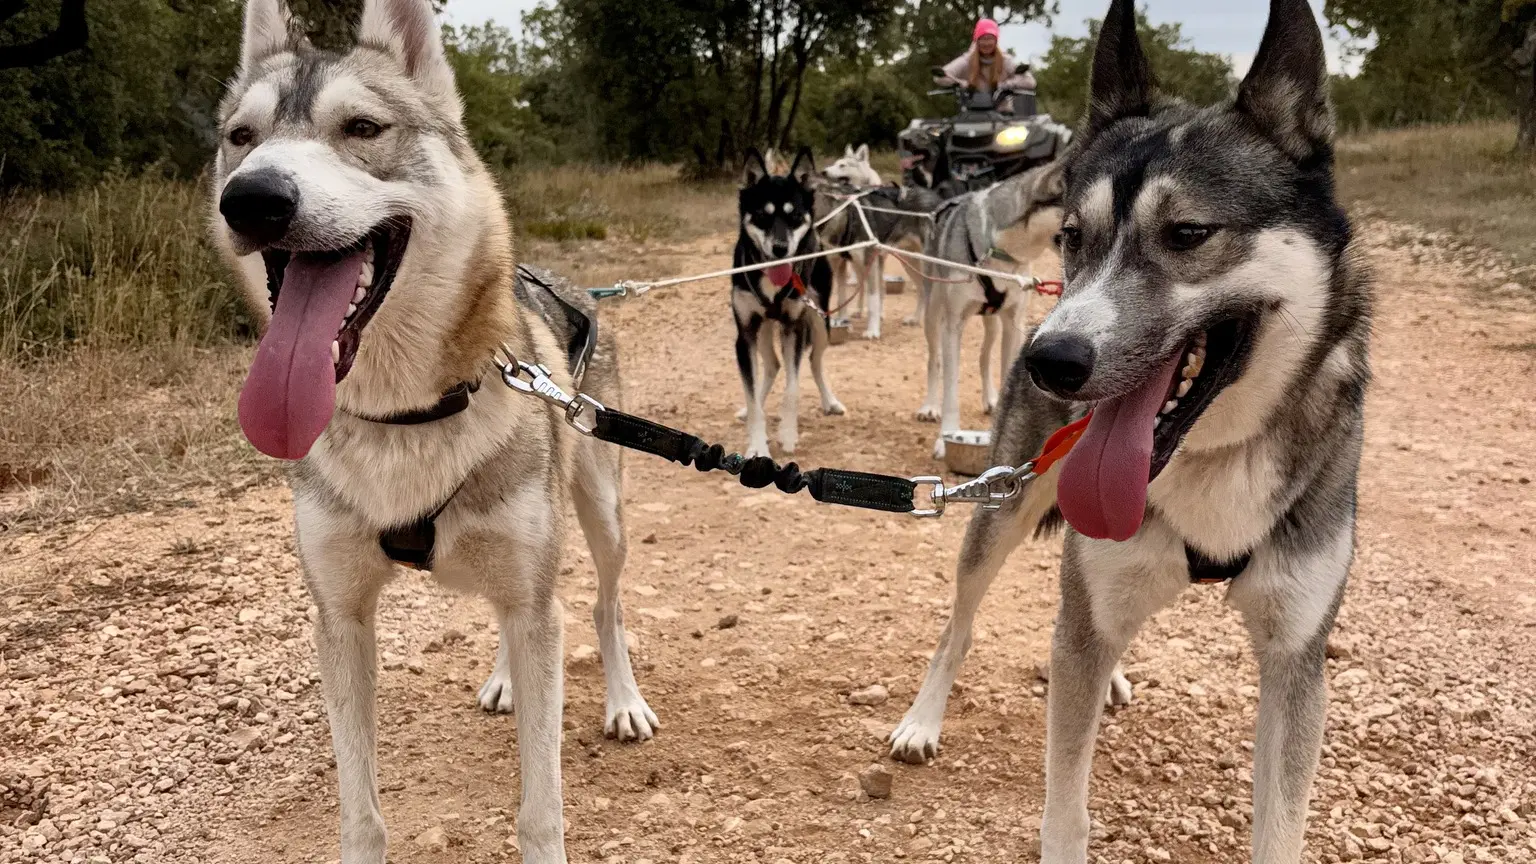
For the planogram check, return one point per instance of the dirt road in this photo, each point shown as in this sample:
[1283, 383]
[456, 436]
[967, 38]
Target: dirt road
[160, 703]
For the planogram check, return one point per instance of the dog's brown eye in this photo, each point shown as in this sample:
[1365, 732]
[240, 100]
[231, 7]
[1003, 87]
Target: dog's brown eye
[1069, 239]
[360, 128]
[1184, 236]
[241, 136]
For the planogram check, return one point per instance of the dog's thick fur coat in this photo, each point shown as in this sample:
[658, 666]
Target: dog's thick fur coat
[507, 466]
[1182, 223]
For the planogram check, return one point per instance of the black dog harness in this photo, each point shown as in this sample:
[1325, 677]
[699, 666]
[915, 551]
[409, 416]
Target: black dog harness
[412, 544]
[1204, 570]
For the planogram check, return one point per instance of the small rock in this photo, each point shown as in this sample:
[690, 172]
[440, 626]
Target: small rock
[726, 622]
[649, 540]
[874, 694]
[876, 781]
[432, 838]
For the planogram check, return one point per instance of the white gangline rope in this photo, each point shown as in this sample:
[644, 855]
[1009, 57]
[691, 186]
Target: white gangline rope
[633, 287]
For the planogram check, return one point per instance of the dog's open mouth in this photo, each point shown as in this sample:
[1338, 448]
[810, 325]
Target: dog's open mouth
[321, 301]
[1102, 489]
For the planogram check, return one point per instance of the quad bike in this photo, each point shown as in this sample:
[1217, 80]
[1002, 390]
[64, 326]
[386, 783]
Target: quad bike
[982, 144]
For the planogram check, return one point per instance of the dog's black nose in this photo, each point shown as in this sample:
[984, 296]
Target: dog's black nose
[781, 250]
[259, 205]
[1059, 363]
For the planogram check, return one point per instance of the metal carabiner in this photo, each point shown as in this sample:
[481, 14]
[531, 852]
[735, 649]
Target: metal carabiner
[538, 383]
[981, 490]
[937, 496]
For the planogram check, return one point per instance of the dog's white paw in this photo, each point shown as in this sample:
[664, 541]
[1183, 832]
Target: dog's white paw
[928, 414]
[938, 448]
[630, 719]
[496, 692]
[1119, 691]
[741, 413]
[871, 334]
[989, 404]
[914, 741]
[755, 450]
[833, 408]
[787, 445]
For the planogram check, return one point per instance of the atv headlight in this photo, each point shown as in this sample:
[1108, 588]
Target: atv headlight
[1013, 136]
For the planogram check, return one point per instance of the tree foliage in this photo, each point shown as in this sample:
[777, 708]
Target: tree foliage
[1439, 60]
[1196, 76]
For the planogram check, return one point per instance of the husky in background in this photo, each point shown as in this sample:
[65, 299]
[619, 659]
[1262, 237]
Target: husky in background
[786, 302]
[853, 167]
[1216, 321]
[966, 232]
[374, 247]
[899, 216]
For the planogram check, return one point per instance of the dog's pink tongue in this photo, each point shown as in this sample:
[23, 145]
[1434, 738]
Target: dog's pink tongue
[1102, 489]
[290, 394]
[780, 274]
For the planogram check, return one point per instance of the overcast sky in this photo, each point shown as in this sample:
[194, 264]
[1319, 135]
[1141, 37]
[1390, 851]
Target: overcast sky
[1230, 27]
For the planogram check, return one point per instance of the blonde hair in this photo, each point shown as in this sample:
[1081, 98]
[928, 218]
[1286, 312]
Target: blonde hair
[991, 74]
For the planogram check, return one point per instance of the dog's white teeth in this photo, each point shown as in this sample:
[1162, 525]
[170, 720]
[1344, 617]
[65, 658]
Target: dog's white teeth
[1194, 363]
[359, 294]
[1169, 406]
[335, 352]
[1184, 387]
[1157, 421]
[351, 309]
[365, 278]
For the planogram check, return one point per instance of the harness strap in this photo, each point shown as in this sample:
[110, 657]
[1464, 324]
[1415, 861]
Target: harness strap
[992, 298]
[1204, 570]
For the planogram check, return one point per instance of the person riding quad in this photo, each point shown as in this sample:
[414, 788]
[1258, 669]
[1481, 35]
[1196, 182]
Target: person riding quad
[986, 67]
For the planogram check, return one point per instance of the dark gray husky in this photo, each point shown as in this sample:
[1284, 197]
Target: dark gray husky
[1216, 323]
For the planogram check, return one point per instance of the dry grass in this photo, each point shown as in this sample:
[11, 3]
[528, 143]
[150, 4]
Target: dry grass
[639, 204]
[1465, 180]
[98, 430]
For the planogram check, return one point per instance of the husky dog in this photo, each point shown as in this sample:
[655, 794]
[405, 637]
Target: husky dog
[894, 215]
[1216, 321]
[373, 244]
[966, 232]
[786, 302]
[853, 167]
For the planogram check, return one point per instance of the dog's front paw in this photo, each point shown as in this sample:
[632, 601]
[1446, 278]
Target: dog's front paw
[741, 413]
[938, 448]
[787, 442]
[496, 692]
[989, 404]
[872, 333]
[630, 719]
[914, 741]
[1119, 690]
[757, 449]
[833, 407]
[928, 414]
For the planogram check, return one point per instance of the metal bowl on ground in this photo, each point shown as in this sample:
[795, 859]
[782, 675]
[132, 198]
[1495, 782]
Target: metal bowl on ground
[895, 284]
[967, 451]
[838, 331]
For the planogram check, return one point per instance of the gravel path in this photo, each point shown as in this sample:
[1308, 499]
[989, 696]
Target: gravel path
[159, 699]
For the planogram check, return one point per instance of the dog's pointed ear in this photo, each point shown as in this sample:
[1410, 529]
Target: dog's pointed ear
[268, 30]
[1051, 184]
[1286, 90]
[408, 31]
[862, 154]
[754, 169]
[847, 151]
[1121, 83]
[804, 167]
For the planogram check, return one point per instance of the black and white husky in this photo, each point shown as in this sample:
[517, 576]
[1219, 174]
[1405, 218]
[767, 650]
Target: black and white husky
[784, 302]
[1217, 324]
